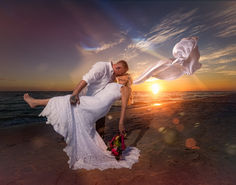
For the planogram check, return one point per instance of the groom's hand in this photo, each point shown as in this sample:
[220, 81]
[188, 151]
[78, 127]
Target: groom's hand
[74, 99]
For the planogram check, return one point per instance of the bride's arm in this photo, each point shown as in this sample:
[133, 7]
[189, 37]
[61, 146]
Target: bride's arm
[125, 93]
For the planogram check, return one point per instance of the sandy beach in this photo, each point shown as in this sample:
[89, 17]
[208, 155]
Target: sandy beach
[184, 143]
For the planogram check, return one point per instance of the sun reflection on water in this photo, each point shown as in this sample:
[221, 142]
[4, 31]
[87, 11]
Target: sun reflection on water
[157, 104]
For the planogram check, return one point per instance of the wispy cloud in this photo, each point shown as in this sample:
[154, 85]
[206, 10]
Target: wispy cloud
[228, 21]
[224, 20]
[226, 60]
[172, 21]
[103, 46]
[220, 68]
[195, 30]
[109, 45]
[172, 25]
[217, 55]
[228, 72]
[204, 69]
[217, 70]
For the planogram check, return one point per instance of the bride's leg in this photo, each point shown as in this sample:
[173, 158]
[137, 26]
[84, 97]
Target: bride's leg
[35, 102]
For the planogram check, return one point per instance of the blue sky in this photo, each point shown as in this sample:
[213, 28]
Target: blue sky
[49, 45]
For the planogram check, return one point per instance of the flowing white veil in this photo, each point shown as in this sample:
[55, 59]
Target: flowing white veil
[186, 61]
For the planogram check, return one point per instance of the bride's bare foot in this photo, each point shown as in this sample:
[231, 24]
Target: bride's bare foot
[29, 100]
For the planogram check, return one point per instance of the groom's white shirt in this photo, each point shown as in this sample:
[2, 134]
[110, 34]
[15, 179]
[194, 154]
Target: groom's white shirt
[98, 77]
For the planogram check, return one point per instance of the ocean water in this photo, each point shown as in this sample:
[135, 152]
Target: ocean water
[15, 111]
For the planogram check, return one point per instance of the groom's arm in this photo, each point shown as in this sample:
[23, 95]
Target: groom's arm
[82, 84]
[74, 97]
[94, 74]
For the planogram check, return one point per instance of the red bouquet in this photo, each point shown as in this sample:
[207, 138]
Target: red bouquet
[117, 145]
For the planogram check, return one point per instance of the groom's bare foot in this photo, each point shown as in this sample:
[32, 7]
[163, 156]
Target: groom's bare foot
[29, 100]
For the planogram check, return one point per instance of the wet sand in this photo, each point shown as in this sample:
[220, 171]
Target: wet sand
[189, 142]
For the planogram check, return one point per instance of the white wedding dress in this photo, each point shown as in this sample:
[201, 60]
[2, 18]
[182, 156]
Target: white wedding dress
[85, 148]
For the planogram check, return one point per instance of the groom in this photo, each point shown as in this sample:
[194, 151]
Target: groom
[96, 79]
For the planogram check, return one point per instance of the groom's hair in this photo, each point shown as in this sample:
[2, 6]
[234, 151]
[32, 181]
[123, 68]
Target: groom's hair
[124, 64]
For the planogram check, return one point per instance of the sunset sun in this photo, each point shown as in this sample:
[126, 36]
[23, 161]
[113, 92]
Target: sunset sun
[155, 88]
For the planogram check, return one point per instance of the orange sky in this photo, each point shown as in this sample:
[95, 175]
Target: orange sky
[185, 83]
[190, 83]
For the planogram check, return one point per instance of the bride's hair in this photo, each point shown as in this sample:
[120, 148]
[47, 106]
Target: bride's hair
[127, 80]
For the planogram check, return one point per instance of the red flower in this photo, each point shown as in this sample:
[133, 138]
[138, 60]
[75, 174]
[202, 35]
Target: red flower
[113, 150]
[117, 145]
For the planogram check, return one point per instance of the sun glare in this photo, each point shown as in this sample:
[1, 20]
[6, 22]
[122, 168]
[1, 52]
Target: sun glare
[155, 88]
[156, 104]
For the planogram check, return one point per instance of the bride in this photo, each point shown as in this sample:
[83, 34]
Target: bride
[76, 123]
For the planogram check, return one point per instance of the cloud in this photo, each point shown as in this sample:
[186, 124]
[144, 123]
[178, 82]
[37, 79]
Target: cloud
[165, 35]
[173, 20]
[139, 44]
[221, 57]
[229, 31]
[227, 21]
[224, 20]
[104, 46]
[220, 68]
[228, 72]
[226, 60]
[172, 25]
[108, 45]
[204, 69]
[217, 55]
[195, 30]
